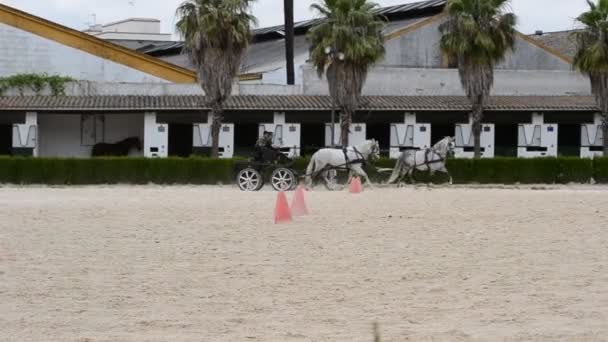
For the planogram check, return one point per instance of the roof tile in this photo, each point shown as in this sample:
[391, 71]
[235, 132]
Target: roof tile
[284, 102]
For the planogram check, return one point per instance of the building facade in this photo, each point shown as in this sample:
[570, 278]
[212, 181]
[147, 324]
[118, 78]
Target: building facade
[540, 107]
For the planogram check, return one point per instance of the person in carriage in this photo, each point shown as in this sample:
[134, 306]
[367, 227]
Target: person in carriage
[265, 150]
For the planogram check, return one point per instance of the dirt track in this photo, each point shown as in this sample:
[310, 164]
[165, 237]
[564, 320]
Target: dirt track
[207, 264]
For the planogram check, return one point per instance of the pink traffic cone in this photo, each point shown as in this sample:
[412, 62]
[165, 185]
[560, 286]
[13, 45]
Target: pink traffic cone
[282, 214]
[298, 205]
[355, 186]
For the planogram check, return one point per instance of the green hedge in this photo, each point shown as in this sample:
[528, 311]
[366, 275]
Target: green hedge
[600, 170]
[115, 170]
[56, 171]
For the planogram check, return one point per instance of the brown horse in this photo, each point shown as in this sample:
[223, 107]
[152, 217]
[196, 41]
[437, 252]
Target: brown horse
[120, 148]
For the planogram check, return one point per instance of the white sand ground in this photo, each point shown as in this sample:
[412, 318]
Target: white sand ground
[207, 264]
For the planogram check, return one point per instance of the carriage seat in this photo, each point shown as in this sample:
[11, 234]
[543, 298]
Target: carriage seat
[264, 154]
[269, 155]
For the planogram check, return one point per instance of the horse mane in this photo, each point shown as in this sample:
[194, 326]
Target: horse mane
[440, 143]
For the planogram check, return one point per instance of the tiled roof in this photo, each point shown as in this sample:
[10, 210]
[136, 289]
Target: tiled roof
[284, 102]
[563, 41]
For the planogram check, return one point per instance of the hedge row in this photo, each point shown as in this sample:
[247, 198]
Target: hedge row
[115, 170]
[216, 171]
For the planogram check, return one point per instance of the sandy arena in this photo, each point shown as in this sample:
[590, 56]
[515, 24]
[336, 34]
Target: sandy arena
[208, 264]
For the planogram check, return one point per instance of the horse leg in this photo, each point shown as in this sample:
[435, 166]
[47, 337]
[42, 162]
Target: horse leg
[308, 182]
[410, 173]
[402, 175]
[445, 170]
[329, 184]
[357, 170]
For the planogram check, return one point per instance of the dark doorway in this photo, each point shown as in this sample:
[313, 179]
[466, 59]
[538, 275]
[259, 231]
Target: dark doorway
[245, 137]
[6, 139]
[505, 140]
[382, 133]
[180, 140]
[312, 138]
[569, 140]
[440, 131]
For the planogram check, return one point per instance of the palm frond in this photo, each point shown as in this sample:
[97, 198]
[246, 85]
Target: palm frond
[478, 34]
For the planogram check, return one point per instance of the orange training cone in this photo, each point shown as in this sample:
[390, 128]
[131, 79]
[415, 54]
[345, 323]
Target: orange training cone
[355, 186]
[282, 214]
[298, 205]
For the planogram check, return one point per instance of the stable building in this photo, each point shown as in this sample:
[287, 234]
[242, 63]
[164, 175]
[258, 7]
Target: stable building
[412, 98]
[170, 125]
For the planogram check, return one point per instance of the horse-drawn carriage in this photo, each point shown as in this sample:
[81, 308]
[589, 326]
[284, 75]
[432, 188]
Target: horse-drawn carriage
[267, 165]
[273, 165]
[326, 163]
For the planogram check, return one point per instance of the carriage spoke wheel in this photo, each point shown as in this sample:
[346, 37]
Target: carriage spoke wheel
[249, 179]
[283, 179]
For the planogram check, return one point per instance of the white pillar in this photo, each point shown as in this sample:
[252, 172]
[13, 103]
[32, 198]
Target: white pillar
[25, 136]
[465, 140]
[156, 137]
[592, 138]
[409, 135]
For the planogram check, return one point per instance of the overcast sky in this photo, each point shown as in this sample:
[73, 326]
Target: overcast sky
[546, 15]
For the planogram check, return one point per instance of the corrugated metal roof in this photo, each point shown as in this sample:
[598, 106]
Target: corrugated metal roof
[386, 11]
[402, 11]
[297, 103]
[415, 6]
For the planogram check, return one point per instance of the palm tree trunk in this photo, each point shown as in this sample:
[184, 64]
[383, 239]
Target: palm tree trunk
[605, 132]
[289, 34]
[346, 119]
[477, 116]
[216, 124]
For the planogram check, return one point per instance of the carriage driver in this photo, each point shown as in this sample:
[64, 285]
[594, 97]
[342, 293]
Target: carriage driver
[265, 143]
[265, 140]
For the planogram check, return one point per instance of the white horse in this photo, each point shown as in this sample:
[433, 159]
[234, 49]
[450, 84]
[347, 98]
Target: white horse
[432, 159]
[326, 161]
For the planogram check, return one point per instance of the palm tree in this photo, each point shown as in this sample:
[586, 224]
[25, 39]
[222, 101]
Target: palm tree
[343, 46]
[592, 56]
[216, 34]
[477, 35]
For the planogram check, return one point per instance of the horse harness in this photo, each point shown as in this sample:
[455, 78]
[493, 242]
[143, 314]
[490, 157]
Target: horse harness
[360, 158]
[427, 160]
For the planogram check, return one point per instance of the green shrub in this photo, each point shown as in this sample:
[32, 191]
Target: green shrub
[574, 170]
[600, 170]
[60, 171]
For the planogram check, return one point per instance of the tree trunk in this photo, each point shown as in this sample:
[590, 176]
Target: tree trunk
[345, 121]
[605, 132]
[477, 116]
[477, 139]
[216, 124]
[289, 36]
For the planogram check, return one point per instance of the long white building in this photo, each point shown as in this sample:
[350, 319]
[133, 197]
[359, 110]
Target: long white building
[411, 90]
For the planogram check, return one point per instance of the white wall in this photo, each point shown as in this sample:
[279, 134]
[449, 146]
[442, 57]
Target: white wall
[24, 52]
[134, 26]
[445, 82]
[134, 36]
[59, 134]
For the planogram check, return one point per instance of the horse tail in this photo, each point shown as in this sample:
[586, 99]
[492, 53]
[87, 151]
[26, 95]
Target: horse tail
[397, 170]
[310, 169]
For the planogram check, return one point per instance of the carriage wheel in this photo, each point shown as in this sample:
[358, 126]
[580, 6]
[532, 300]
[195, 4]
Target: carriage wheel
[283, 179]
[249, 179]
